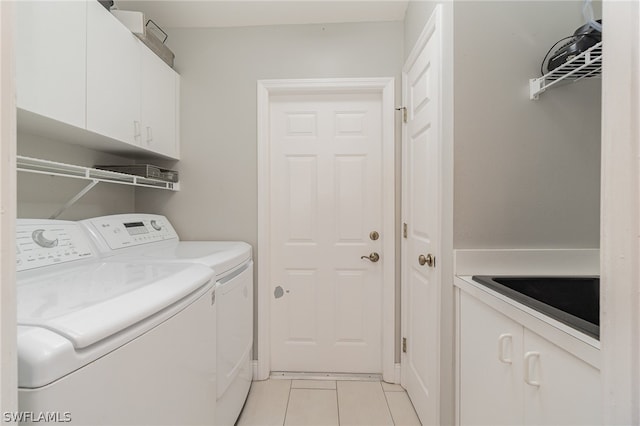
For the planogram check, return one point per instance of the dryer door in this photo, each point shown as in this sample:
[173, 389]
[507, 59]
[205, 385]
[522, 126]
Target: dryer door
[234, 324]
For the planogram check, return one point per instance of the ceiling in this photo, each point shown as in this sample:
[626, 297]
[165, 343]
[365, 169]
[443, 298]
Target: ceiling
[242, 13]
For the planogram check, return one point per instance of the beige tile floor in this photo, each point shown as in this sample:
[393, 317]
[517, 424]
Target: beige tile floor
[327, 403]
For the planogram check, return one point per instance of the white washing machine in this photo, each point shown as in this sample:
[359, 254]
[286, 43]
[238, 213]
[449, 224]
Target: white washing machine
[110, 342]
[144, 237]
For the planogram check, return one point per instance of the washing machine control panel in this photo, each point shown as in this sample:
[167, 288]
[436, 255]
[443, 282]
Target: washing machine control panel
[48, 242]
[121, 231]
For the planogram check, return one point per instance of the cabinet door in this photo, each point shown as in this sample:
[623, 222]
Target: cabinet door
[159, 105]
[566, 390]
[490, 366]
[51, 46]
[113, 77]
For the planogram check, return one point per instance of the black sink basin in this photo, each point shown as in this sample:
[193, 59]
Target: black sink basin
[574, 301]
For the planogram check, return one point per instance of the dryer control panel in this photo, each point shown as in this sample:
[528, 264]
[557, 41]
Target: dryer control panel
[129, 230]
[48, 242]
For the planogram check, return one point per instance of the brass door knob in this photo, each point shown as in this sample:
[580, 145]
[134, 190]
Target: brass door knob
[373, 257]
[429, 260]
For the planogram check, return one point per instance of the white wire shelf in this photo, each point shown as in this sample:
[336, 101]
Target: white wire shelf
[587, 64]
[52, 168]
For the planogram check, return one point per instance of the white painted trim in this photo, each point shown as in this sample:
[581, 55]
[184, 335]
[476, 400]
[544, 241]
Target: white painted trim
[254, 368]
[267, 88]
[447, 315]
[456, 415]
[264, 237]
[620, 214]
[359, 377]
[398, 373]
[441, 19]
[8, 356]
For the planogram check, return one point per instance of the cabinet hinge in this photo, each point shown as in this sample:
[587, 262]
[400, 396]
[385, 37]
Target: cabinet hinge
[404, 345]
[404, 230]
[404, 113]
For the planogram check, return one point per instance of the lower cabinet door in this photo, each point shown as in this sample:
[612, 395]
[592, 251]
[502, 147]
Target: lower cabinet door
[491, 384]
[560, 389]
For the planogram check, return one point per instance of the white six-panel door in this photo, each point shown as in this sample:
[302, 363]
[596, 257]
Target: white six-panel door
[326, 185]
[421, 204]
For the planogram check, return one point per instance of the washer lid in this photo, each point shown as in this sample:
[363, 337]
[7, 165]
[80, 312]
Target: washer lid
[222, 256]
[88, 303]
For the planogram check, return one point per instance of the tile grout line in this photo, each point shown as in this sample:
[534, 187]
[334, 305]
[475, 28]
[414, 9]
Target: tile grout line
[286, 409]
[338, 402]
[388, 406]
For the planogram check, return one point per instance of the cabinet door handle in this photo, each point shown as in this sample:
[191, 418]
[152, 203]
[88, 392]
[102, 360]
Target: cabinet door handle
[527, 368]
[149, 134]
[136, 129]
[501, 343]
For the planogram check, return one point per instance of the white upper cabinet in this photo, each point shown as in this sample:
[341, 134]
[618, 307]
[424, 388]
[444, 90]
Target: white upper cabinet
[84, 78]
[113, 77]
[51, 49]
[159, 105]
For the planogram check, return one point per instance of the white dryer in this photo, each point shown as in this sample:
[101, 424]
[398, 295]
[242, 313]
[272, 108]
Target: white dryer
[144, 237]
[110, 342]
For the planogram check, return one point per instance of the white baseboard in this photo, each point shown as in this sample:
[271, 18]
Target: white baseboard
[398, 373]
[361, 377]
[254, 364]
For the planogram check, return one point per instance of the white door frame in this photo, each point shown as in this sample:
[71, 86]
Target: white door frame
[620, 215]
[8, 330]
[268, 88]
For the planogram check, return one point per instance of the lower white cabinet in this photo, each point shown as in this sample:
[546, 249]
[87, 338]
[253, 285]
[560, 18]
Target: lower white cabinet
[509, 375]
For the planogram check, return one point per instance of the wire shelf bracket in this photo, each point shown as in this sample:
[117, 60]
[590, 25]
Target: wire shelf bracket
[586, 64]
[52, 168]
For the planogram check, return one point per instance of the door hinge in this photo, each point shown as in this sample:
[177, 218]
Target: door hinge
[404, 345]
[404, 113]
[404, 230]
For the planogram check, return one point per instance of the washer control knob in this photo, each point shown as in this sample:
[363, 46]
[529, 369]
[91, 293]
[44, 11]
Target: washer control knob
[155, 225]
[41, 239]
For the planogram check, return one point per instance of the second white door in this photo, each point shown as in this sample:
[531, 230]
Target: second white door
[326, 204]
[421, 194]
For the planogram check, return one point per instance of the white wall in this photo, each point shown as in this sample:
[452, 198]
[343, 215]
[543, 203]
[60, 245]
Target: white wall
[219, 70]
[39, 196]
[8, 353]
[527, 173]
